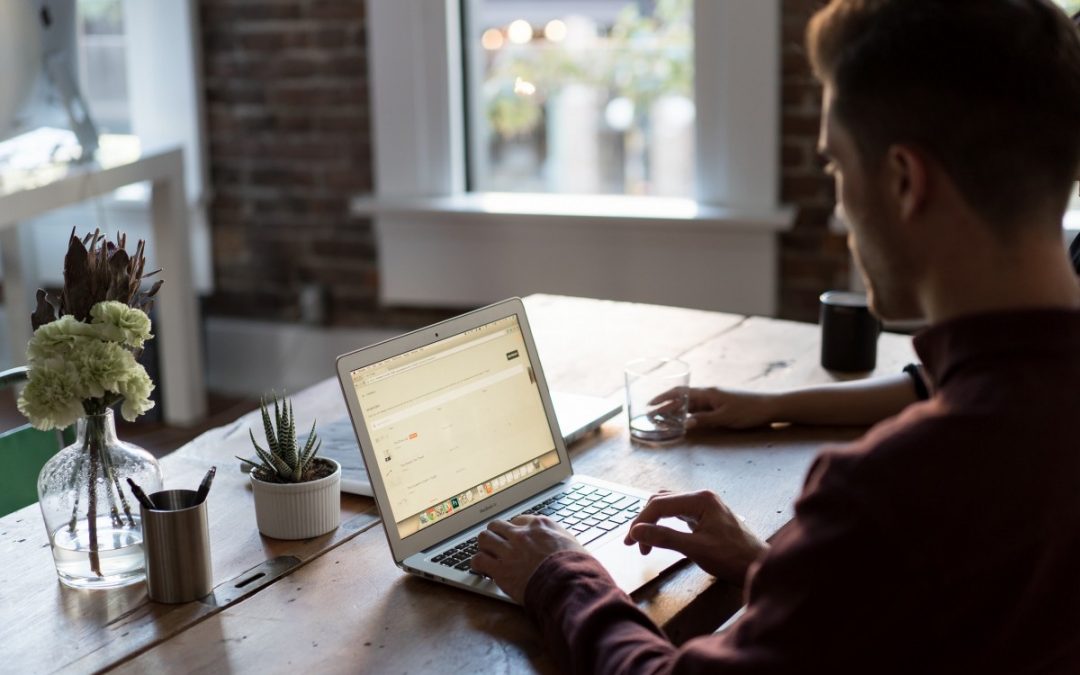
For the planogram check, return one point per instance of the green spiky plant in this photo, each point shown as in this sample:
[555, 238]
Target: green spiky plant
[283, 461]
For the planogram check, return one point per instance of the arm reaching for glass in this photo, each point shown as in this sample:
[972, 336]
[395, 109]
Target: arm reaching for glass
[856, 403]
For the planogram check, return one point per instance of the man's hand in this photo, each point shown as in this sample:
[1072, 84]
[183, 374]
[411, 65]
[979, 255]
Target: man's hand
[511, 551]
[718, 543]
[725, 408]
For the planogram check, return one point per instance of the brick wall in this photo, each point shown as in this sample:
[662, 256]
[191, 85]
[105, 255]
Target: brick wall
[812, 259]
[288, 127]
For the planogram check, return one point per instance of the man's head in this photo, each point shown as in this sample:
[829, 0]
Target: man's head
[942, 108]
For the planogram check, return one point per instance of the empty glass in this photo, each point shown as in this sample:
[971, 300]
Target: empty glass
[657, 398]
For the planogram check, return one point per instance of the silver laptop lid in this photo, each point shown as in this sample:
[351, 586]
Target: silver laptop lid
[455, 424]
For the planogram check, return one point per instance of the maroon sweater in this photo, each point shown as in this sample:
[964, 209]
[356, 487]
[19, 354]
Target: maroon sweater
[946, 539]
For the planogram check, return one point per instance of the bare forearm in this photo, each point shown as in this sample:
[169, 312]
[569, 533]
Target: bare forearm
[860, 402]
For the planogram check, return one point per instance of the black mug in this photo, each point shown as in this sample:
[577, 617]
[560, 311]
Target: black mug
[849, 333]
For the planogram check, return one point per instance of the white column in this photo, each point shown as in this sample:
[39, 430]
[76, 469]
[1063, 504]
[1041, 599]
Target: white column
[19, 261]
[164, 74]
[177, 325]
[737, 106]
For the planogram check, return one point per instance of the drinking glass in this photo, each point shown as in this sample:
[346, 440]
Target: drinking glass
[657, 398]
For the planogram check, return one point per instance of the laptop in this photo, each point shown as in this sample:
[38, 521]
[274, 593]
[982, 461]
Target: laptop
[578, 415]
[457, 428]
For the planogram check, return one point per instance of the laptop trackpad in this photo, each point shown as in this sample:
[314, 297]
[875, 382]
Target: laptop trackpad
[629, 568]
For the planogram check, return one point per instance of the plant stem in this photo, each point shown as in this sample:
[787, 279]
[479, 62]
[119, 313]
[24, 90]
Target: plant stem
[92, 443]
[73, 523]
[113, 483]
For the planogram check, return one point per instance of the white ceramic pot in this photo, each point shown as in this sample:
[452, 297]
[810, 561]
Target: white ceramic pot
[298, 510]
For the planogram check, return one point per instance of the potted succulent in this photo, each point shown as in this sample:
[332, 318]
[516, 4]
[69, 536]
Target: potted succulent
[297, 495]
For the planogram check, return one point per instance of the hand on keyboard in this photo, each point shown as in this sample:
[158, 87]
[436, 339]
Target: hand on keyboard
[509, 552]
[718, 542]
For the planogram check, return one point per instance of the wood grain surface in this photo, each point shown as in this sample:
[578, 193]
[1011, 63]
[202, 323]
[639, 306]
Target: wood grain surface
[347, 608]
[99, 628]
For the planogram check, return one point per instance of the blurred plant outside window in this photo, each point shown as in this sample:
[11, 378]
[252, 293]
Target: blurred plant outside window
[102, 66]
[583, 97]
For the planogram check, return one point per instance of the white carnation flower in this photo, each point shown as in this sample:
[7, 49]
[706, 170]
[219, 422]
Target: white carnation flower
[130, 325]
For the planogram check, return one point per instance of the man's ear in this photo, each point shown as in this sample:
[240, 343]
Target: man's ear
[906, 175]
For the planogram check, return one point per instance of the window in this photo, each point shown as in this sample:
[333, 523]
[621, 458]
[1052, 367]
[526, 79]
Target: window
[589, 97]
[1070, 6]
[102, 64]
[708, 238]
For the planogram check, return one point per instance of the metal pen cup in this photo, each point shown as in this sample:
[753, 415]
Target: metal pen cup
[176, 545]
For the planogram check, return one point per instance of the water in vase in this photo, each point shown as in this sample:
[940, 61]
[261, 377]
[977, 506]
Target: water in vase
[119, 554]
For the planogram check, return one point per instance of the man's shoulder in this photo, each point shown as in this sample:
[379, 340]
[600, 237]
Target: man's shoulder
[904, 454]
[916, 431]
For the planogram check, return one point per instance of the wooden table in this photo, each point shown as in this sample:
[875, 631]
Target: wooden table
[338, 603]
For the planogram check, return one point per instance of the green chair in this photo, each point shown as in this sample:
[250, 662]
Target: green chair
[23, 451]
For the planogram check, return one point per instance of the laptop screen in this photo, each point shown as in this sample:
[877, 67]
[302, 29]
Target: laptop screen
[454, 422]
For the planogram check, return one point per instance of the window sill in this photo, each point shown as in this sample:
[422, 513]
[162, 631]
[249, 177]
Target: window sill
[613, 210]
[472, 249]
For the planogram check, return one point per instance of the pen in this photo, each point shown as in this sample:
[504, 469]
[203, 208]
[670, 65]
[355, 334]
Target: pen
[204, 486]
[140, 495]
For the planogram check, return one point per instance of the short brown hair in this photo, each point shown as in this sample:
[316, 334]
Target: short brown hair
[989, 88]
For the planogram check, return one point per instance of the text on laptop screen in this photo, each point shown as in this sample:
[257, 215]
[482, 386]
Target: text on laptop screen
[454, 422]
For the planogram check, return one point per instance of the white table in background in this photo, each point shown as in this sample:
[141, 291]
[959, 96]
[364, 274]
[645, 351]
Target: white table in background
[28, 194]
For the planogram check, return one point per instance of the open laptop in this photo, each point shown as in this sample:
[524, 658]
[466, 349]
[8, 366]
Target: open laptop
[578, 416]
[457, 428]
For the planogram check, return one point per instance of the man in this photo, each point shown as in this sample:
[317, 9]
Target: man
[948, 537]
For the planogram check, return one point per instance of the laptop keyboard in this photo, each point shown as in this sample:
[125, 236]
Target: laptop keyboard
[587, 512]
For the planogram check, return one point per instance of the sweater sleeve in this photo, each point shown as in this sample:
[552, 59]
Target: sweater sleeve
[811, 598]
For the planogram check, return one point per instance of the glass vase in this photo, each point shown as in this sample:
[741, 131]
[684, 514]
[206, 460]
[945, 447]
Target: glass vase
[90, 514]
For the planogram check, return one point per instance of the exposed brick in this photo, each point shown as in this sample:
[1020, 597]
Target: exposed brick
[289, 143]
[814, 217]
[801, 124]
[805, 188]
[812, 258]
[793, 154]
[288, 126]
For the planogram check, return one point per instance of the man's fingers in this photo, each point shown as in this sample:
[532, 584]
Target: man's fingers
[668, 407]
[523, 519]
[491, 543]
[707, 418]
[649, 536]
[501, 528]
[689, 504]
[485, 564]
[669, 395]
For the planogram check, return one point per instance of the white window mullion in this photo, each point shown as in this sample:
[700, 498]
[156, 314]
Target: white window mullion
[737, 91]
[414, 47]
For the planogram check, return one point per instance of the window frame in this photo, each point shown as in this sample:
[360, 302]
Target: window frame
[419, 131]
[418, 135]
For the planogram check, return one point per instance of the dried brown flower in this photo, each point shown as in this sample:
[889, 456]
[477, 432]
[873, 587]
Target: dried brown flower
[95, 270]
